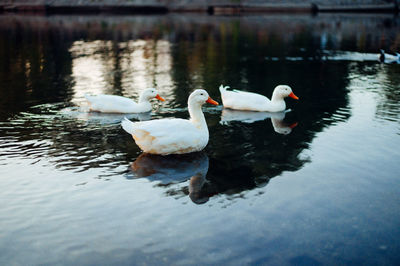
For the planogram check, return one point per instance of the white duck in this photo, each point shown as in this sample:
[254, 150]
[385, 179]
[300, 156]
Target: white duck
[173, 135]
[249, 101]
[119, 104]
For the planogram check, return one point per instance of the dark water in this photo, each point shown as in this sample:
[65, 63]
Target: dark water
[317, 185]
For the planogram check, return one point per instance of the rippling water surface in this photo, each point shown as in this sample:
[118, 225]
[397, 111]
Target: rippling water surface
[317, 184]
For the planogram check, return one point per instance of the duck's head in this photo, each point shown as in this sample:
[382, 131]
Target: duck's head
[149, 94]
[200, 97]
[283, 91]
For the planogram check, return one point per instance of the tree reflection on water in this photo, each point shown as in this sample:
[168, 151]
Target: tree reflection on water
[56, 59]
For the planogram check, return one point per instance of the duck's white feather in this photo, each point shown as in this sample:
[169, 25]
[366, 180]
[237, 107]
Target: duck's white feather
[128, 125]
[173, 135]
[242, 100]
[119, 104]
[249, 101]
[116, 104]
[166, 136]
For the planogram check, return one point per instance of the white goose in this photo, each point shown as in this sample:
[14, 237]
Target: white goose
[173, 135]
[118, 104]
[249, 101]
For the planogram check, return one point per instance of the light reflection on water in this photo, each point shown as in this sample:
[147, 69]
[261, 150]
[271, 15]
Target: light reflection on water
[316, 185]
[126, 68]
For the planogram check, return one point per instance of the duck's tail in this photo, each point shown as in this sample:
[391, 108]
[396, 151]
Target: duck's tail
[222, 89]
[128, 125]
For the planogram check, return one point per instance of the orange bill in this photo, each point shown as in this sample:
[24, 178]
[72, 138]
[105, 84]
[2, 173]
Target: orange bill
[209, 100]
[293, 125]
[291, 95]
[158, 97]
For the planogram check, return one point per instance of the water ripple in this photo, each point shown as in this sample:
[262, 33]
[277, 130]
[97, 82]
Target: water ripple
[47, 133]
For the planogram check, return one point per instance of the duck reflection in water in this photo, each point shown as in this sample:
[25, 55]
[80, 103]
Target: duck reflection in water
[277, 119]
[103, 118]
[172, 169]
[109, 118]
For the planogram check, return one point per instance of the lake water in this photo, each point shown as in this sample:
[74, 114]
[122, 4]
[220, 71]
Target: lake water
[316, 185]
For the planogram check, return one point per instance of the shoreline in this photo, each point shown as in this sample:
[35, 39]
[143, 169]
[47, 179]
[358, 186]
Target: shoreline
[163, 7]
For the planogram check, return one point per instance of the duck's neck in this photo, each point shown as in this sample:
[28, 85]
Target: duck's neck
[144, 103]
[276, 97]
[278, 102]
[143, 99]
[197, 116]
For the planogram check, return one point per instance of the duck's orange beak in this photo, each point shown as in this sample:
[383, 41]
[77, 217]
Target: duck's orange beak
[293, 125]
[158, 97]
[209, 100]
[291, 95]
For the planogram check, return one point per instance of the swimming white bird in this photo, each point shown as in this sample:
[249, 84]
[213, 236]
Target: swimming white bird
[173, 135]
[119, 104]
[249, 101]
